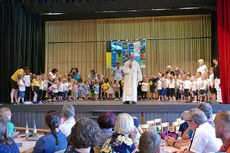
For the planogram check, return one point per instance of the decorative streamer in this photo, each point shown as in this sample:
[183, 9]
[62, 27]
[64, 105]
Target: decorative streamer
[125, 52]
[108, 54]
[137, 51]
[142, 53]
[114, 53]
[119, 54]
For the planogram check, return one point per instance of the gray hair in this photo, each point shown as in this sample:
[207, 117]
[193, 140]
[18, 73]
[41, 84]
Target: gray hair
[184, 115]
[201, 61]
[206, 108]
[68, 111]
[149, 142]
[224, 116]
[197, 116]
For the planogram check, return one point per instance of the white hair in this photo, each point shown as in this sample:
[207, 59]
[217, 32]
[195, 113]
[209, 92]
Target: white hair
[124, 124]
[201, 61]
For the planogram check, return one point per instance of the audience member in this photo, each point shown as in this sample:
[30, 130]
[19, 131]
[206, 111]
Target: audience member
[106, 122]
[120, 140]
[68, 113]
[184, 125]
[7, 144]
[207, 109]
[53, 141]
[222, 125]
[150, 142]
[84, 136]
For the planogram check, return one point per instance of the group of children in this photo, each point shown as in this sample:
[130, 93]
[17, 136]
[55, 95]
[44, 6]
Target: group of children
[166, 87]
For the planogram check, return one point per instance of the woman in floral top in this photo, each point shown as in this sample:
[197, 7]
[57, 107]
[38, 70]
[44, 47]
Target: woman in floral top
[124, 138]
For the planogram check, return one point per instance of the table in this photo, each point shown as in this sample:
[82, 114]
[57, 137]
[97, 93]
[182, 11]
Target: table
[169, 149]
[27, 146]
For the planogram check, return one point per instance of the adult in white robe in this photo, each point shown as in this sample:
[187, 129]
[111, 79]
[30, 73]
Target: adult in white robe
[132, 76]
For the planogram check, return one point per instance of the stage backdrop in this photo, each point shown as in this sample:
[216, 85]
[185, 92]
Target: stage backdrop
[67, 51]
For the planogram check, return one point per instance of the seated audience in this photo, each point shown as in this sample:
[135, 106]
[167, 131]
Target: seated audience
[120, 140]
[106, 121]
[53, 141]
[184, 125]
[150, 142]
[204, 138]
[68, 113]
[207, 109]
[84, 136]
[7, 144]
[6, 113]
[222, 125]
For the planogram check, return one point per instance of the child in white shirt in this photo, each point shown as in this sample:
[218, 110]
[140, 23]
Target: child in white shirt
[144, 88]
[187, 88]
[61, 90]
[66, 89]
[21, 88]
[202, 88]
[194, 88]
[159, 86]
[172, 86]
[27, 80]
[54, 89]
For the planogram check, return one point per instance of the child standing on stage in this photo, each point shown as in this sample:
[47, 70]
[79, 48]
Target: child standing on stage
[66, 89]
[144, 88]
[54, 89]
[75, 90]
[27, 80]
[194, 88]
[44, 88]
[105, 87]
[159, 86]
[86, 90]
[110, 90]
[172, 85]
[117, 90]
[202, 88]
[80, 89]
[164, 87]
[70, 88]
[187, 88]
[61, 90]
[152, 86]
[96, 88]
[35, 87]
[22, 88]
[181, 80]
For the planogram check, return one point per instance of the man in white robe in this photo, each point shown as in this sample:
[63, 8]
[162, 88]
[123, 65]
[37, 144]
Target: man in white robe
[132, 76]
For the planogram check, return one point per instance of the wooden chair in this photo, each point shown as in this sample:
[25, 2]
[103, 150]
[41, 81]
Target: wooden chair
[157, 121]
[164, 126]
[144, 127]
[150, 122]
[175, 126]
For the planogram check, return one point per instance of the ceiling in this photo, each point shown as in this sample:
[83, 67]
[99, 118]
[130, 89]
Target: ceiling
[97, 9]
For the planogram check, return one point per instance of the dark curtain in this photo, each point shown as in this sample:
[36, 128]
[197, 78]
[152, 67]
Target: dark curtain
[22, 43]
[223, 23]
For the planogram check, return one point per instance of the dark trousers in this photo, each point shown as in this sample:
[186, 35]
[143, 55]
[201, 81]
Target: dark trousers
[43, 95]
[27, 94]
[144, 95]
[116, 94]
[40, 95]
[121, 90]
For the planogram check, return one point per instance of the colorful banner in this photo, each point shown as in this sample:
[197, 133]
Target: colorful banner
[114, 53]
[108, 54]
[125, 52]
[119, 54]
[142, 54]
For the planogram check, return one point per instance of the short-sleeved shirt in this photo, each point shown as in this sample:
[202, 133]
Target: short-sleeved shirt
[187, 84]
[11, 128]
[15, 75]
[204, 139]
[67, 126]
[118, 143]
[27, 80]
[106, 87]
[47, 143]
[202, 69]
[13, 148]
[117, 73]
[71, 149]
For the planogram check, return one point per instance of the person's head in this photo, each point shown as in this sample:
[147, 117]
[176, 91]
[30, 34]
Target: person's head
[203, 77]
[188, 77]
[70, 79]
[97, 82]
[53, 120]
[110, 83]
[169, 68]
[201, 62]
[26, 70]
[60, 79]
[4, 132]
[192, 78]
[215, 61]
[75, 82]
[206, 108]
[106, 80]
[92, 72]
[118, 64]
[6, 114]
[117, 82]
[85, 133]
[20, 77]
[132, 57]
[73, 70]
[159, 75]
[80, 81]
[211, 70]
[222, 124]
[164, 75]
[145, 79]
[195, 118]
[151, 75]
[68, 111]
[124, 124]
[150, 142]
[198, 74]
[106, 120]
[54, 71]
[64, 80]
[55, 81]
[184, 115]
[99, 76]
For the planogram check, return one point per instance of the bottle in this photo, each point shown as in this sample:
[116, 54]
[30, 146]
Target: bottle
[35, 130]
[27, 131]
[162, 149]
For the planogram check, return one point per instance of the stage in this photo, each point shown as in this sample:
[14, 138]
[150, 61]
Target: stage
[144, 110]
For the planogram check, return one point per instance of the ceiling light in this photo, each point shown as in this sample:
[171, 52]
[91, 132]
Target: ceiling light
[56, 13]
[160, 9]
[189, 8]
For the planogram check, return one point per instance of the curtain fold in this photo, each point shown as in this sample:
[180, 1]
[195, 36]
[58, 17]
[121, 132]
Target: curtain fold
[22, 43]
[182, 53]
[223, 23]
